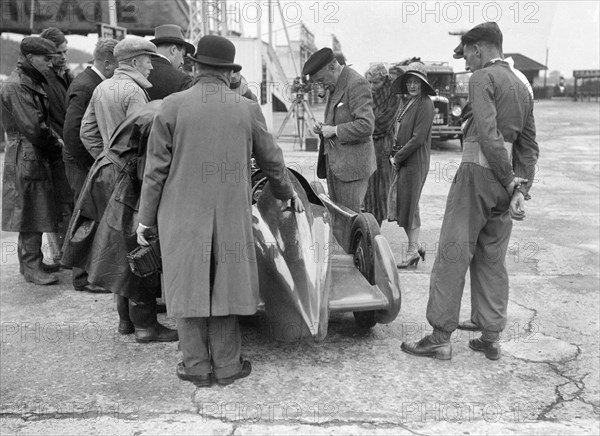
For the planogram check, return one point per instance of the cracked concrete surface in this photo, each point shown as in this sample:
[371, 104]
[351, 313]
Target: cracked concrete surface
[64, 370]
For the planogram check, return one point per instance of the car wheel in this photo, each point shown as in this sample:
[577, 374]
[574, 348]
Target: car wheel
[364, 230]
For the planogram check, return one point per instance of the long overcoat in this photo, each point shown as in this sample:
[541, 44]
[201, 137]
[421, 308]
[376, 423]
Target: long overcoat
[413, 140]
[102, 229]
[197, 189]
[32, 154]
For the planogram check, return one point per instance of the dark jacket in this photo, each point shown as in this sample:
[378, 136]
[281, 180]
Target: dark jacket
[165, 79]
[57, 96]
[102, 229]
[79, 95]
[28, 201]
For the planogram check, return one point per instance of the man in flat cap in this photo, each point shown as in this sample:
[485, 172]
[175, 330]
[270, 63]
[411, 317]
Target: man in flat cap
[113, 101]
[201, 215]
[167, 76]
[59, 78]
[488, 193]
[121, 95]
[31, 206]
[347, 143]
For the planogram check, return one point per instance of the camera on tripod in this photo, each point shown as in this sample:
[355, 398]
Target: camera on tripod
[301, 86]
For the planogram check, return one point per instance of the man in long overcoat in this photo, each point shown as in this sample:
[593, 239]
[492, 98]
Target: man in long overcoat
[347, 130]
[29, 200]
[196, 188]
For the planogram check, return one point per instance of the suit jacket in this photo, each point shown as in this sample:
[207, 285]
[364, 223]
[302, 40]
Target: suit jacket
[57, 97]
[196, 187]
[165, 79]
[79, 95]
[350, 108]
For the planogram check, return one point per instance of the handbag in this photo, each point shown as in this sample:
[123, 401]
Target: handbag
[145, 261]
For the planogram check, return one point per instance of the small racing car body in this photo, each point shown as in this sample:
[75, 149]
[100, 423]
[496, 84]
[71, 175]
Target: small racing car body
[328, 259]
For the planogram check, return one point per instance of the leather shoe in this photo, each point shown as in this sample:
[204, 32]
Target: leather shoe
[39, 277]
[50, 267]
[201, 381]
[126, 327]
[492, 350]
[93, 289]
[158, 333]
[427, 348]
[244, 372]
[468, 325]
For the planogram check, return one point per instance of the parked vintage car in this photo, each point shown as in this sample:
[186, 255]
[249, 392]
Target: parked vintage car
[326, 260]
[452, 93]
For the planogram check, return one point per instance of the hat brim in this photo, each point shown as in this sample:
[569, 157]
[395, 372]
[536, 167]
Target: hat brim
[205, 60]
[189, 48]
[399, 85]
[149, 53]
[458, 51]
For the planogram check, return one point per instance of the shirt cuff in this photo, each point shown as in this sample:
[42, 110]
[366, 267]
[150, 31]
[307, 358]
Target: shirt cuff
[144, 226]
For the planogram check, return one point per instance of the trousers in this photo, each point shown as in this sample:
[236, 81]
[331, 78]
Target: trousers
[349, 194]
[211, 344]
[474, 236]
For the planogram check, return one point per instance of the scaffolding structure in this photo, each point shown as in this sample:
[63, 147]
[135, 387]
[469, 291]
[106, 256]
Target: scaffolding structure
[214, 17]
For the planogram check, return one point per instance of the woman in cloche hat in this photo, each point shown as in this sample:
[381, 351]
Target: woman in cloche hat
[410, 157]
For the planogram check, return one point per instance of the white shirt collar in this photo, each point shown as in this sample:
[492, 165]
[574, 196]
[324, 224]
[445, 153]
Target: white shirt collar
[163, 56]
[97, 71]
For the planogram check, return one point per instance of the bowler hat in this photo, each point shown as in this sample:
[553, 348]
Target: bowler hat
[317, 60]
[416, 69]
[171, 34]
[216, 51]
[133, 46]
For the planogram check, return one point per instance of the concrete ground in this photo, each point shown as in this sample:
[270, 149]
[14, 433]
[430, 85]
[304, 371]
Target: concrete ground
[65, 370]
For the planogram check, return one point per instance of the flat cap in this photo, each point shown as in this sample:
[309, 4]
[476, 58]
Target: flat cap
[37, 46]
[133, 46]
[317, 60]
[488, 31]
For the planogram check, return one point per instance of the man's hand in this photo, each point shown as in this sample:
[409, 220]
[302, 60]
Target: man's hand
[328, 131]
[141, 233]
[510, 188]
[317, 128]
[517, 206]
[294, 203]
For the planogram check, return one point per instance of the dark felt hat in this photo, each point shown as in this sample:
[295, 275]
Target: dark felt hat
[216, 51]
[37, 46]
[488, 31]
[317, 60]
[171, 34]
[416, 69]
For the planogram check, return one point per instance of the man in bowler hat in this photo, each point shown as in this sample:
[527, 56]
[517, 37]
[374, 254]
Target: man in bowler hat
[202, 215]
[489, 192]
[347, 143]
[167, 76]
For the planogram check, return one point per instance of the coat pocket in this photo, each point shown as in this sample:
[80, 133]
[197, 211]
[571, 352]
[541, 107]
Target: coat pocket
[33, 167]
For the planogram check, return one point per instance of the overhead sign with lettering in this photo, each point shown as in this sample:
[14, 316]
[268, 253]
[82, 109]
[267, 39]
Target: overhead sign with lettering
[82, 16]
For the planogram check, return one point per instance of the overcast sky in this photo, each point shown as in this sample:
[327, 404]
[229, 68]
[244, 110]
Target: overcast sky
[391, 30]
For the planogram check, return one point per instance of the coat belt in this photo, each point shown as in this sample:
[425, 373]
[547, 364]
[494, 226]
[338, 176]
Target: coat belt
[473, 153]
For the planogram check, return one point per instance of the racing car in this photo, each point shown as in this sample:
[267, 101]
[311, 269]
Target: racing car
[329, 259]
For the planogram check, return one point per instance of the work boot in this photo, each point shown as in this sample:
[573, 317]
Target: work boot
[492, 350]
[40, 277]
[30, 251]
[147, 327]
[430, 346]
[125, 325]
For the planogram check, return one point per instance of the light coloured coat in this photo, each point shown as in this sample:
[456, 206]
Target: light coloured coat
[112, 101]
[196, 187]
